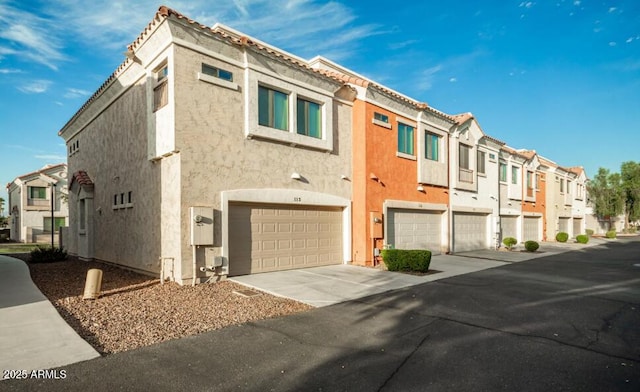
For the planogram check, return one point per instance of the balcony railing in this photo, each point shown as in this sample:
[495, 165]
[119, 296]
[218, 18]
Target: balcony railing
[465, 175]
[38, 202]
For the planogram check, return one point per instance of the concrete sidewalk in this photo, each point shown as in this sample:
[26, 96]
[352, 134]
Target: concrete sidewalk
[32, 334]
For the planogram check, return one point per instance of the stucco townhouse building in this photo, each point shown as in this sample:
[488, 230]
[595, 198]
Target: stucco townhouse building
[37, 203]
[209, 153]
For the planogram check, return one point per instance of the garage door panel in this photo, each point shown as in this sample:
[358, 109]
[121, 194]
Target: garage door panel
[577, 226]
[266, 238]
[509, 226]
[469, 232]
[414, 229]
[532, 228]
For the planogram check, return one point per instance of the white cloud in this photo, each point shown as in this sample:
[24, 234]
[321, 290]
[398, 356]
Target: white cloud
[426, 78]
[32, 37]
[612, 9]
[403, 44]
[453, 80]
[9, 71]
[527, 4]
[577, 3]
[35, 87]
[612, 43]
[76, 93]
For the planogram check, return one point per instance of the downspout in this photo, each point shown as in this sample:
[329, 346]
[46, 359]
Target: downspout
[193, 257]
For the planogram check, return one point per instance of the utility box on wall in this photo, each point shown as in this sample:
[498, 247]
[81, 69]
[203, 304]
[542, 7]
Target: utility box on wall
[201, 225]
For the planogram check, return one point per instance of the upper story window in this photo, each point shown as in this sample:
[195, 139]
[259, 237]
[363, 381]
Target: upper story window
[503, 172]
[514, 174]
[463, 156]
[381, 117]
[309, 118]
[568, 187]
[217, 72]
[529, 180]
[562, 185]
[432, 146]
[37, 192]
[273, 108]
[481, 162]
[161, 89]
[405, 138]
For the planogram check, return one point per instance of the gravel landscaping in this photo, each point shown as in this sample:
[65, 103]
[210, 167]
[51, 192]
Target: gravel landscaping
[136, 310]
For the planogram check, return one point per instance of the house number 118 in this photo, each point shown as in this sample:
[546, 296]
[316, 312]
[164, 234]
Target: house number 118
[297, 199]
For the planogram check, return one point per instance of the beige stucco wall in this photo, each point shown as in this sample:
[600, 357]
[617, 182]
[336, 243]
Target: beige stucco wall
[216, 156]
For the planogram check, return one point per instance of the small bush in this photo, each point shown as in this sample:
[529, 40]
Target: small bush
[47, 255]
[531, 246]
[406, 260]
[611, 234]
[589, 232]
[509, 242]
[582, 239]
[562, 237]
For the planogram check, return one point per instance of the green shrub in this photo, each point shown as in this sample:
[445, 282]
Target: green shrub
[562, 237]
[406, 260]
[531, 246]
[589, 232]
[509, 242]
[582, 239]
[611, 234]
[47, 255]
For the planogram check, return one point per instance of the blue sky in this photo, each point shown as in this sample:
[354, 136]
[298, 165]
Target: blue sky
[561, 77]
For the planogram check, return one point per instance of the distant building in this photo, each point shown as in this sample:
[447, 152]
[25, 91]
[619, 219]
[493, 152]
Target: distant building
[29, 204]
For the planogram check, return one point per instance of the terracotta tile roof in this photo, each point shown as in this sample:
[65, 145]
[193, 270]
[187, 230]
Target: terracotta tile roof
[82, 178]
[498, 141]
[164, 13]
[462, 117]
[529, 154]
[576, 169]
[512, 151]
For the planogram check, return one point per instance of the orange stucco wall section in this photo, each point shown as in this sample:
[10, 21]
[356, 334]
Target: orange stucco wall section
[539, 205]
[374, 152]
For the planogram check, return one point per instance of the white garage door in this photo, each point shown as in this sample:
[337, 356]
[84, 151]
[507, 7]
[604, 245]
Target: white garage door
[563, 225]
[414, 229]
[264, 238]
[577, 226]
[532, 228]
[469, 232]
[509, 225]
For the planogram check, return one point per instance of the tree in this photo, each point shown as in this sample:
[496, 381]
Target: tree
[607, 195]
[630, 176]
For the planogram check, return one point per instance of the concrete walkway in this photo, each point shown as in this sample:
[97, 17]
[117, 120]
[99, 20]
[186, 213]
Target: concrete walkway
[32, 334]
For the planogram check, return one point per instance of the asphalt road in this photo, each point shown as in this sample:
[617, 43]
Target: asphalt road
[569, 322]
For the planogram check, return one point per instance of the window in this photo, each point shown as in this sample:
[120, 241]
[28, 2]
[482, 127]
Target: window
[529, 180]
[562, 185]
[217, 72]
[381, 117]
[537, 181]
[130, 197]
[57, 224]
[481, 160]
[568, 187]
[432, 146]
[514, 175]
[405, 139]
[115, 200]
[503, 172]
[463, 157]
[273, 108]
[309, 118]
[37, 192]
[161, 90]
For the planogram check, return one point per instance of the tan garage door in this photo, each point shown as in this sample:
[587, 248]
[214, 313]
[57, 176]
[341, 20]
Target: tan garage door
[469, 232]
[577, 226]
[563, 225]
[414, 229]
[264, 238]
[532, 228]
[509, 225]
